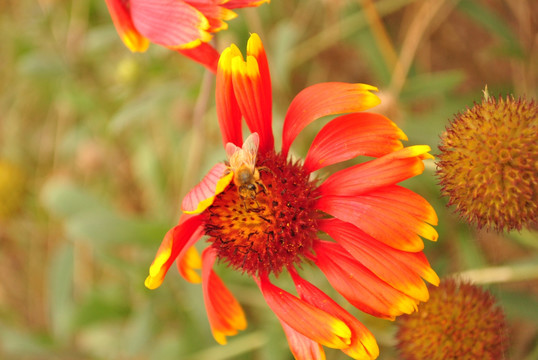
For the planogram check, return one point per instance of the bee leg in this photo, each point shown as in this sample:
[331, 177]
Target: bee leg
[263, 188]
[266, 169]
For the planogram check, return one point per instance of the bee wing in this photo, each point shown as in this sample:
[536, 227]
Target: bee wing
[246, 155]
[231, 149]
[250, 149]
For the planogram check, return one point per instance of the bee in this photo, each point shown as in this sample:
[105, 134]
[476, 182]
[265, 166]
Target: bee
[243, 165]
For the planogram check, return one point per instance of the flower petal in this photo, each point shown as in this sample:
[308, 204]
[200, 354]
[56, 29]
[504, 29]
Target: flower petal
[351, 135]
[215, 13]
[251, 91]
[362, 288]
[308, 320]
[121, 18]
[363, 344]
[228, 112]
[255, 49]
[302, 347]
[386, 170]
[381, 215]
[204, 54]
[203, 194]
[175, 242]
[224, 312]
[170, 23]
[234, 4]
[402, 270]
[189, 260]
[321, 100]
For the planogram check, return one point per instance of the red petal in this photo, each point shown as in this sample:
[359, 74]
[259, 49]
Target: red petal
[176, 241]
[203, 194]
[402, 270]
[363, 344]
[228, 112]
[204, 54]
[214, 12]
[252, 92]
[255, 49]
[302, 347]
[234, 4]
[386, 170]
[170, 23]
[124, 26]
[351, 135]
[362, 288]
[189, 260]
[308, 320]
[224, 312]
[381, 215]
[321, 100]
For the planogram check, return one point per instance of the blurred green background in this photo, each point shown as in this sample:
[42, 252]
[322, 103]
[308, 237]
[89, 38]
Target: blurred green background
[98, 145]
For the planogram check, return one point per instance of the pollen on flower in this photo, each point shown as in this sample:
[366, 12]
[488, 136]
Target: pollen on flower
[488, 164]
[273, 230]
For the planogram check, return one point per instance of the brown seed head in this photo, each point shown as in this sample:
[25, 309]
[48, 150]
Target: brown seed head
[488, 166]
[460, 321]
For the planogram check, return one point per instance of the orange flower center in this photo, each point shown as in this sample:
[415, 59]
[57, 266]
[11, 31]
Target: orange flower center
[271, 227]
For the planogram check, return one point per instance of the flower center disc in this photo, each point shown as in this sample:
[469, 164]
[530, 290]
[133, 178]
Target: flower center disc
[275, 228]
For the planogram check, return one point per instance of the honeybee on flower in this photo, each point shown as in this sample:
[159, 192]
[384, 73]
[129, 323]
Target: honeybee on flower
[243, 166]
[373, 256]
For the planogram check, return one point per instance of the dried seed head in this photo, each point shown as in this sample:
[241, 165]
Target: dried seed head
[488, 164]
[460, 321]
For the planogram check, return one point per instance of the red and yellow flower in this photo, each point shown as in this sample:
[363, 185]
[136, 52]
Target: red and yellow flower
[182, 25]
[375, 258]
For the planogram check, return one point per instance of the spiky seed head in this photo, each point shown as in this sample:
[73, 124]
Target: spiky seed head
[460, 321]
[488, 166]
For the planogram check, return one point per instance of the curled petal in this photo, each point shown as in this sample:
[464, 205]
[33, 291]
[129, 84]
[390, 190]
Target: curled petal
[176, 241]
[351, 135]
[363, 344]
[362, 288]
[324, 99]
[386, 170]
[173, 24]
[304, 318]
[189, 260]
[203, 194]
[402, 270]
[121, 18]
[215, 13]
[251, 94]
[385, 216]
[228, 112]
[204, 54]
[302, 347]
[224, 312]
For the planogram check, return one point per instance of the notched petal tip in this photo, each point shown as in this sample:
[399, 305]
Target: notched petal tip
[189, 263]
[224, 312]
[255, 45]
[304, 318]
